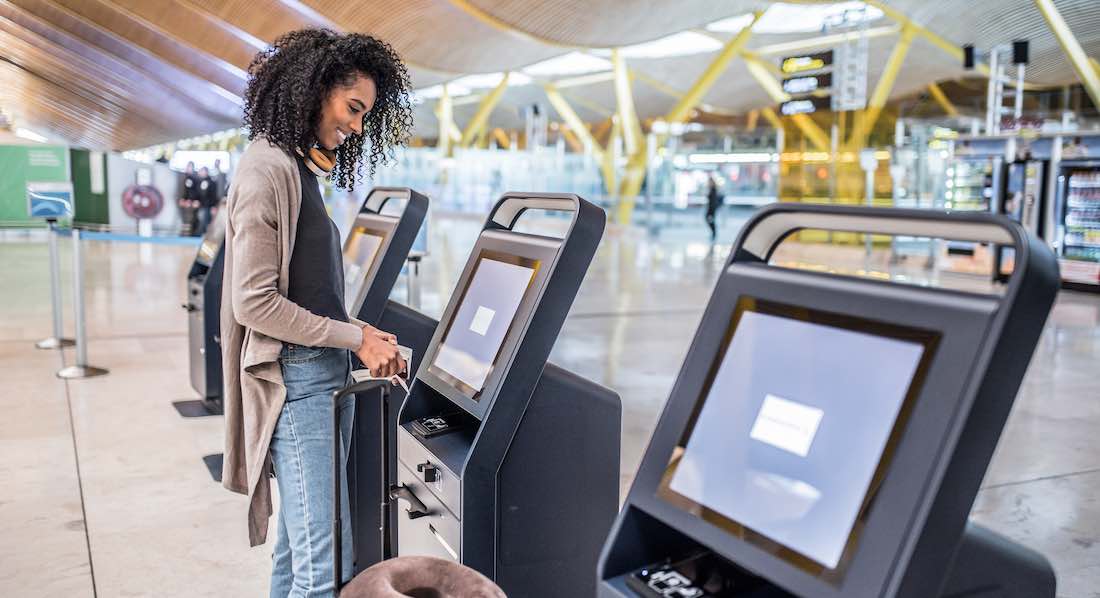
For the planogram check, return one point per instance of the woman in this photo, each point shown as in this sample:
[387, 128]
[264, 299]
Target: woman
[314, 99]
[714, 201]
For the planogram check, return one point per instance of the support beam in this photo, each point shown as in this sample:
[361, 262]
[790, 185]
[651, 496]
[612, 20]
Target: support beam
[941, 99]
[774, 89]
[571, 139]
[633, 140]
[587, 104]
[702, 85]
[670, 91]
[772, 118]
[1086, 71]
[481, 117]
[573, 121]
[753, 120]
[865, 121]
[1095, 65]
[444, 113]
[624, 100]
[502, 138]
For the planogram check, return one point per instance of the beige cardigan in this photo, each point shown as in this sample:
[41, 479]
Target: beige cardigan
[256, 318]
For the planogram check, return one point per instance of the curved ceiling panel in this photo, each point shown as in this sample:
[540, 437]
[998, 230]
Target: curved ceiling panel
[607, 23]
[434, 34]
[999, 22]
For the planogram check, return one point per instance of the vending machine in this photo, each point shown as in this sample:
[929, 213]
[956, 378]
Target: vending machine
[975, 181]
[1025, 196]
[1077, 223]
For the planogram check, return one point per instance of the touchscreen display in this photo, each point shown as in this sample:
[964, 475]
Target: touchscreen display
[484, 315]
[359, 253]
[795, 427]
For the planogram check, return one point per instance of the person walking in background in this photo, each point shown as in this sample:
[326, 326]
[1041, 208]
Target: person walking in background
[714, 200]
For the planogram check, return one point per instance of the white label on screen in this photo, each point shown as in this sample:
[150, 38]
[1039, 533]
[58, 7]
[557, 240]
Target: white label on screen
[786, 425]
[482, 319]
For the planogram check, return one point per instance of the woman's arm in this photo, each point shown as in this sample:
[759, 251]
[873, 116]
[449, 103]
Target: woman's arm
[257, 303]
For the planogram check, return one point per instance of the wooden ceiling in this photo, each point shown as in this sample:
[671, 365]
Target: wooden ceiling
[123, 74]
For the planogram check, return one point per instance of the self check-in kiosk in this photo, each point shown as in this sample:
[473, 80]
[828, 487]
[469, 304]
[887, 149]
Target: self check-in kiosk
[377, 246]
[503, 462]
[827, 435]
[204, 300]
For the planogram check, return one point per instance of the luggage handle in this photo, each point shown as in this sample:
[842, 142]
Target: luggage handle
[337, 474]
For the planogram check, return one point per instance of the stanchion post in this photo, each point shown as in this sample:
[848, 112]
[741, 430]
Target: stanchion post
[58, 339]
[81, 369]
[412, 282]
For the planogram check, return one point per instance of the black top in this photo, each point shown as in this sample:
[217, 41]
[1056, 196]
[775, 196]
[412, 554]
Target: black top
[208, 191]
[316, 264]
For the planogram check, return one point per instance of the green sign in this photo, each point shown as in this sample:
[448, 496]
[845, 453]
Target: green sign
[22, 164]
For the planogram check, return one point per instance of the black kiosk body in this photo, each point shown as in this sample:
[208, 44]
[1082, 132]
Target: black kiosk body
[504, 463]
[204, 301]
[827, 435]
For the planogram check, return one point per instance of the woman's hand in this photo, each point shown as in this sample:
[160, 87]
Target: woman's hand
[389, 337]
[379, 354]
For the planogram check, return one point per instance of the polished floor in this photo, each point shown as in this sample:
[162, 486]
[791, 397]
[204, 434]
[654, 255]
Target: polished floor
[104, 491]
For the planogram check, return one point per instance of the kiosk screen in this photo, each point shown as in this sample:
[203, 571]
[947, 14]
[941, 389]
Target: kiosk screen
[485, 312]
[795, 428]
[359, 254]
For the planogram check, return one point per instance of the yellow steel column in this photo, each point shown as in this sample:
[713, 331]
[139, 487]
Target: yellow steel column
[941, 99]
[624, 100]
[502, 138]
[633, 140]
[753, 120]
[803, 121]
[772, 117]
[867, 118]
[483, 111]
[1086, 72]
[1095, 65]
[571, 139]
[444, 112]
[702, 85]
[573, 121]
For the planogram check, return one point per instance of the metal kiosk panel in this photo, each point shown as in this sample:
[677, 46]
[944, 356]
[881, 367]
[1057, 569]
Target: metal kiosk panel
[204, 300]
[781, 479]
[522, 481]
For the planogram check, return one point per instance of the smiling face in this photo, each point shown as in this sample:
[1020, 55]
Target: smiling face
[343, 111]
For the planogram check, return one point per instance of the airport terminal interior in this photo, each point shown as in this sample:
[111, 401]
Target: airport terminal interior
[693, 299]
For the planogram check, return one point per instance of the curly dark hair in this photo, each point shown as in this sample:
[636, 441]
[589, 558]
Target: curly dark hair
[288, 82]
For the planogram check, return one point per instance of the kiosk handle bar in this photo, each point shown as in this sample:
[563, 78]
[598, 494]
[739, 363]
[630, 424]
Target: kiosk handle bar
[378, 197]
[512, 205]
[763, 233]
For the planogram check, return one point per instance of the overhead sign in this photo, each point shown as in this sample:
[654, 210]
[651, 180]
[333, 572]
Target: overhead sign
[804, 63]
[49, 200]
[804, 106]
[807, 83]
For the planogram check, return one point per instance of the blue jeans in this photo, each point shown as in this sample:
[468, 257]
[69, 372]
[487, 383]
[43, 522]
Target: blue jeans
[301, 453]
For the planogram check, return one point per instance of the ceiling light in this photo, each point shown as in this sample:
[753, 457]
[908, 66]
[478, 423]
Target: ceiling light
[490, 80]
[31, 135]
[677, 44]
[573, 63]
[783, 17]
[436, 91]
